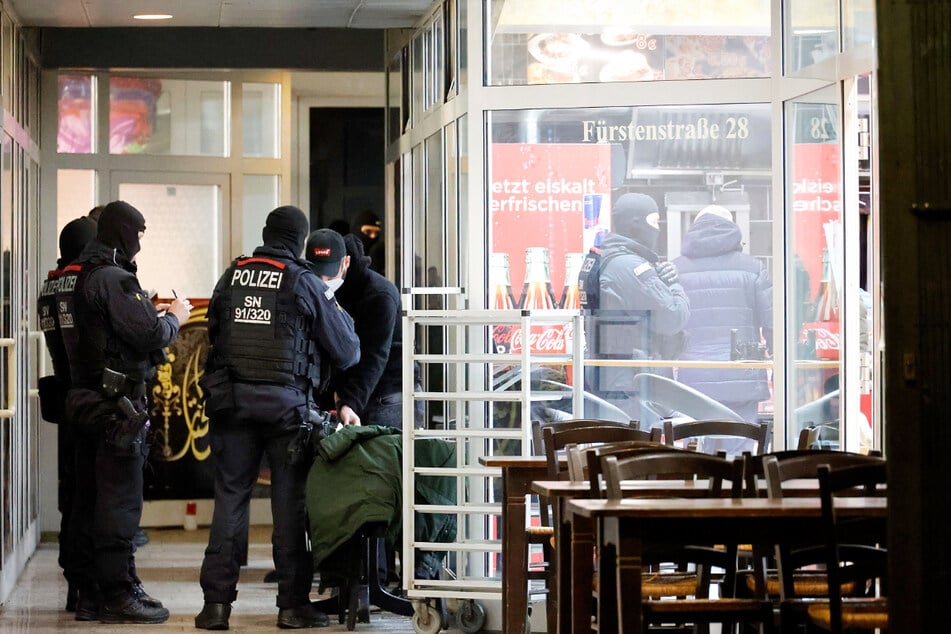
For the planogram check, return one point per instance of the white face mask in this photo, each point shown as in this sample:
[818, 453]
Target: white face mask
[334, 284]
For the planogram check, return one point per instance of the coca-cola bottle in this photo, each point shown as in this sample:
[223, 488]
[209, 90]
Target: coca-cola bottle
[537, 292]
[826, 321]
[501, 298]
[500, 283]
[827, 300]
[569, 297]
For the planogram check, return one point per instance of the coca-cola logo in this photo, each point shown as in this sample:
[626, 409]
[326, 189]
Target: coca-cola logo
[550, 340]
[826, 339]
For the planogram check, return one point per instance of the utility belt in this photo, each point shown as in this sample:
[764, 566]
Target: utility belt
[315, 426]
[127, 431]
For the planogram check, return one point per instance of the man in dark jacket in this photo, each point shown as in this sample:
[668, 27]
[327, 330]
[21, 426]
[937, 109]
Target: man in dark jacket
[114, 337]
[728, 291]
[642, 306]
[72, 240]
[370, 391]
[271, 324]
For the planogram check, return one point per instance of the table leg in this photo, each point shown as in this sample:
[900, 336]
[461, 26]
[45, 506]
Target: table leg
[628, 577]
[515, 484]
[578, 581]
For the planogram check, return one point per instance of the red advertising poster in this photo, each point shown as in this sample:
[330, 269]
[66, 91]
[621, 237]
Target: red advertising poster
[816, 200]
[546, 201]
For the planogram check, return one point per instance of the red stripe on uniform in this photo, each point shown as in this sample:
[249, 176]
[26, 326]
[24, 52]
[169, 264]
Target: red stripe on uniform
[279, 265]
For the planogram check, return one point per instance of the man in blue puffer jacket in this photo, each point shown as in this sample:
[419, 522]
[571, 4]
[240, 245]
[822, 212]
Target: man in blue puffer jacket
[728, 290]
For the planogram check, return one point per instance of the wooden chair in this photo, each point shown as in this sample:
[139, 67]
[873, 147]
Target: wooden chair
[758, 432]
[796, 563]
[544, 533]
[809, 437]
[700, 610]
[843, 537]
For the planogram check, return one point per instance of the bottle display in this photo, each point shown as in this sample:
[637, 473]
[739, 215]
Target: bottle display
[570, 298]
[537, 292]
[826, 317]
[501, 298]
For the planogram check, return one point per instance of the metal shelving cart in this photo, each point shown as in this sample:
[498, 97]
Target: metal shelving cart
[476, 399]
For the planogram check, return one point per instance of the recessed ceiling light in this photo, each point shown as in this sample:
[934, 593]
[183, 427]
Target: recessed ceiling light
[153, 16]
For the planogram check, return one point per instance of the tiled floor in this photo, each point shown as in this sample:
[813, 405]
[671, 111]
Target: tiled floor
[168, 566]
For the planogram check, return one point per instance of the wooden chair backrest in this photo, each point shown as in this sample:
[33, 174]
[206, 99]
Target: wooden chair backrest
[779, 469]
[594, 459]
[808, 436]
[538, 439]
[557, 438]
[672, 465]
[758, 432]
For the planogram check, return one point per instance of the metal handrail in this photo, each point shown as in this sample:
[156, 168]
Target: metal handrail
[10, 345]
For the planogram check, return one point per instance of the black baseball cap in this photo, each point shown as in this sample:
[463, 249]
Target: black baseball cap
[325, 248]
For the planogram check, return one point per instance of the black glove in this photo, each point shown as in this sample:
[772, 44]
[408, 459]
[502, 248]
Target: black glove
[667, 272]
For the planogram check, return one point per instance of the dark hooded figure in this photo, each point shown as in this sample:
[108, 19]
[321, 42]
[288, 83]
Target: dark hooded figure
[642, 306]
[730, 296]
[272, 325]
[114, 337]
[372, 389]
[72, 240]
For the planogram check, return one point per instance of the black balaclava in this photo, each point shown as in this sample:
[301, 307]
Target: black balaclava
[629, 219]
[73, 239]
[366, 218]
[287, 226]
[119, 227]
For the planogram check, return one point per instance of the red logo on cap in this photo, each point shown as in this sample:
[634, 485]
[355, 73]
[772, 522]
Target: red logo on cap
[321, 252]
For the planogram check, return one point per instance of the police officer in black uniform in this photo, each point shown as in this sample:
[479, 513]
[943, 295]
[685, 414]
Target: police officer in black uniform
[72, 239]
[271, 324]
[114, 337]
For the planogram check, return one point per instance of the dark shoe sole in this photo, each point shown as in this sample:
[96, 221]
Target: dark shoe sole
[299, 625]
[114, 619]
[83, 615]
[211, 626]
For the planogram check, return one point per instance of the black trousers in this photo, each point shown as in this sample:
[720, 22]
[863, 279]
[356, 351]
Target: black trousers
[237, 452]
[107, 508]
[66, 466]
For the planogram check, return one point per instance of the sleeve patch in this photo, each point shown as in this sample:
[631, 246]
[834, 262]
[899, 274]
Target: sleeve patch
[642, 268]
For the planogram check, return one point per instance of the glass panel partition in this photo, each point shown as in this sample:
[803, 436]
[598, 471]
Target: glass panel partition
[816, 262]
[261, 108]
[76, 127]
[812, 33]
[563, 41]
[168, 116]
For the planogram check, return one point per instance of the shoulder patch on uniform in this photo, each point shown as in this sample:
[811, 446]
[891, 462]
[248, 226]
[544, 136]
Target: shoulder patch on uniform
[329, 294]
[642, 268]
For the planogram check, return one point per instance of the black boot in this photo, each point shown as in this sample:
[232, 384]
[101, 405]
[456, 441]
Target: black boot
[303, 616]
[139, 593]
[72, 597]
[213, 616]
[128, 609]
[88, 604]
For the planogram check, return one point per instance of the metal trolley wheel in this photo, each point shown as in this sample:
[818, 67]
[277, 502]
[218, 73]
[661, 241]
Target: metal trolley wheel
[470, 617]
[426, 619]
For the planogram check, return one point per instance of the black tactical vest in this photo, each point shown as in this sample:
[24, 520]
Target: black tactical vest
[46, 309]
[589, 281]
[66, 318]
[262, 335]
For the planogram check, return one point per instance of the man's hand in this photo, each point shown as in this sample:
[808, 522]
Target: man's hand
[667, 272]
[181, 308]
[347, 416]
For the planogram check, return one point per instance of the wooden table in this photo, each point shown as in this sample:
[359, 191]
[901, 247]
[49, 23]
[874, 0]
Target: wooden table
[625, 524]
[518, 472]
[573, 563]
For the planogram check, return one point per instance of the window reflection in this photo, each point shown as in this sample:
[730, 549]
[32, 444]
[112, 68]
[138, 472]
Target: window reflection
[648, 186]
[621, 40]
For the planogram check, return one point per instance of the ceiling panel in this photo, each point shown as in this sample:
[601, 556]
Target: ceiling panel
[373, 14]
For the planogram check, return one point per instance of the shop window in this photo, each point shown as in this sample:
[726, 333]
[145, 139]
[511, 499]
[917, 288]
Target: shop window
[261, 195]
[563, 41]
[812, 33]
[554, 177]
